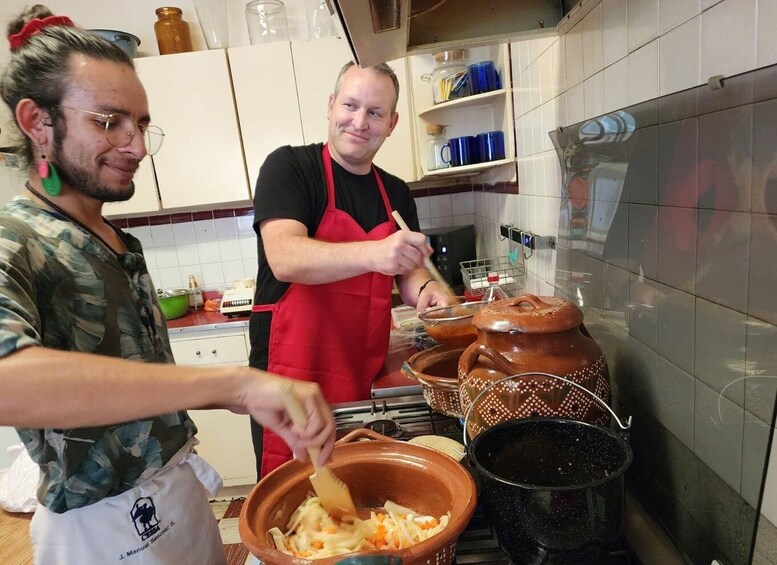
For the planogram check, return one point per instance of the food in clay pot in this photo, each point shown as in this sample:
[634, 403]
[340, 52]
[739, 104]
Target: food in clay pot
[532, 333]
[452, 325]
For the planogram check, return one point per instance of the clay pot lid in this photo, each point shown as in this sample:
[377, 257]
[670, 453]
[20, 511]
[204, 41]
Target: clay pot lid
[529, 314]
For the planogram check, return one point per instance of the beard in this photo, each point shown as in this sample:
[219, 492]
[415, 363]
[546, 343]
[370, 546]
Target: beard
[82, 179]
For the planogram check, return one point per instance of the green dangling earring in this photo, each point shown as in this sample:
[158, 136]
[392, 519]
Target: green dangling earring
[49, 177]
[131, 189]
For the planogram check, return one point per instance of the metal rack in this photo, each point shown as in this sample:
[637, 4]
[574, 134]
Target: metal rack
[511, 276]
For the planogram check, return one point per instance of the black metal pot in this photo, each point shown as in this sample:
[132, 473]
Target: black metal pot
[552, 488]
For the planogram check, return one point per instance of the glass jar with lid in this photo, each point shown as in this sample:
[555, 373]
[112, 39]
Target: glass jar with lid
[172, 32]
[433, 148]
[449, 78]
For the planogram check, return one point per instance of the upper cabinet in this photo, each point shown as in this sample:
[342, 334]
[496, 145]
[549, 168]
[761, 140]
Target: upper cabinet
[224, 111]
[466, 116]
[201, 159]
[266, 97]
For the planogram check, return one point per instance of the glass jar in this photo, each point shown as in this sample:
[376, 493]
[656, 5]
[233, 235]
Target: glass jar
[172, 33]
[449, 79]
[434, 144]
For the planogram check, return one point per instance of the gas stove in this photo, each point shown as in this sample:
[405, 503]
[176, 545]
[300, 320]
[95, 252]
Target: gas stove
[405, 417]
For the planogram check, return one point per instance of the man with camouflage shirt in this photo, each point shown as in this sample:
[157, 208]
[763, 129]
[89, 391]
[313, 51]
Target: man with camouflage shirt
[86, 373]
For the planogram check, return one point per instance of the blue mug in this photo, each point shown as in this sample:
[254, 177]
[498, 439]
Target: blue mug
[482, 77]
[461, 151]
[491, 146]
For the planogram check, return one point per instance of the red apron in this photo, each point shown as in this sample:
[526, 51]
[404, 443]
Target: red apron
[334, 334]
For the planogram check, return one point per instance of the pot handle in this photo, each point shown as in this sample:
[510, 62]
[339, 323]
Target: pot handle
[360, 434]
[532, 299]
[623, 426]
[472, 353]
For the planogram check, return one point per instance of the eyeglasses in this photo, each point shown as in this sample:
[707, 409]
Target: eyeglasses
[120, 130]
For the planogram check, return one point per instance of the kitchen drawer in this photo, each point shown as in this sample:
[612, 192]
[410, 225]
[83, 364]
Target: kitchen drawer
[211, 351]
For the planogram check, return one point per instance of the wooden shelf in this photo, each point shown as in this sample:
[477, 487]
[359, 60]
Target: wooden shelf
[466, 170]
[478, 100]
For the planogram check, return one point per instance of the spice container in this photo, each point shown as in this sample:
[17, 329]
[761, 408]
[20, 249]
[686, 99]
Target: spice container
[172, 33]
[435, 141]
[449, 79]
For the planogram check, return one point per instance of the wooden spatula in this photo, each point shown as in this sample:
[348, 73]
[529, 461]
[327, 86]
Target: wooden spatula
[429, 265]
[332, 492]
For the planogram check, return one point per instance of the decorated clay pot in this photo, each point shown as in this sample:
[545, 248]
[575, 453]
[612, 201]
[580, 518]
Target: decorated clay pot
[525, 334]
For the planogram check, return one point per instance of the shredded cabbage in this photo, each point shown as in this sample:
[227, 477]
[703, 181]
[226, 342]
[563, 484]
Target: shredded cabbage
[312, 533]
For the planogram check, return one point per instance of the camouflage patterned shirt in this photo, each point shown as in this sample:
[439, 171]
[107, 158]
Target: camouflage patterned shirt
[62, 289]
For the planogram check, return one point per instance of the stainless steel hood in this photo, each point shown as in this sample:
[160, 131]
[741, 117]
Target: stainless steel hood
[383, 30]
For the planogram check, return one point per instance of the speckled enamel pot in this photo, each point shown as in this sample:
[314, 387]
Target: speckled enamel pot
[532, 333]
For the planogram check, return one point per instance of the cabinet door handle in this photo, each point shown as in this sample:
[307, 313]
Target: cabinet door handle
[197, 353]
[213, 352]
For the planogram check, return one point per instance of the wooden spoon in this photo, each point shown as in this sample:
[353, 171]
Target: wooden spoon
[430, 266]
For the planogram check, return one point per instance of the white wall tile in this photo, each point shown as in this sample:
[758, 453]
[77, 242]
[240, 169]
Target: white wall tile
[766, 50]
[643, 22]
[229, 249]
[615, 31]
[532, 51]
[212, 274]
[162, 235]
[208, 251]
[573, 51]
[672, 13]
[150, 258]
[558, 71]
[575, 105]
[250, 268]
[616, 86]
[233, 270]
[187, 254]
[247, 248]
[592, 42]
[546, 76]
[245, 226]
[440, 205]
[534, 84]
[166, 257]
[643, 73]
[728, 39]
[705, 4]
[143, 233]
[462, 203]
[204, 230]
[169, 277]
[225, 227]
[548, 124]
[593, 94]
[183, 233]
[423, 208]
[678, 66]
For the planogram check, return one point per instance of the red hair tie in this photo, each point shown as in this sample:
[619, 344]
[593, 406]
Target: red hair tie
[34, 26]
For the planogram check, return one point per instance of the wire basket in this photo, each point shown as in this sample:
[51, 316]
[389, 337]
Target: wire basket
[474, 273]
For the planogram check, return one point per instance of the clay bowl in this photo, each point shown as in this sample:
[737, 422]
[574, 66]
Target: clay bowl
[452, 325]
[437, 371]
[375, 471]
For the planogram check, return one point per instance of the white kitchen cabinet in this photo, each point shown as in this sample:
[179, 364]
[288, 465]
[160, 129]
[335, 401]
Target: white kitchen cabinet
[470, 115]
[266, 97]
[317, 63]
[225, 437]
[201, 160]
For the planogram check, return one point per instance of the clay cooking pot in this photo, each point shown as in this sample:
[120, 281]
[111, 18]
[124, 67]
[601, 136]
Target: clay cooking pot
[532, 333]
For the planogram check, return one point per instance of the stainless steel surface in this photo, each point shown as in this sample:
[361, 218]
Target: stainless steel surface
[375, 37]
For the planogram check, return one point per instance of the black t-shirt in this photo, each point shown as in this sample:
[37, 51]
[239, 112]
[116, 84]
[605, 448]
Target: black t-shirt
[292, 185]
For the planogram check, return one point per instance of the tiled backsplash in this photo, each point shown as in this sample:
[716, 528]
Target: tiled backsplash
[219, 246]
[673, 271]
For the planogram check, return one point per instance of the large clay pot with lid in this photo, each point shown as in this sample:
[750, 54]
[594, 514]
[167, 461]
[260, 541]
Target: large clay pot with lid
[532, 334]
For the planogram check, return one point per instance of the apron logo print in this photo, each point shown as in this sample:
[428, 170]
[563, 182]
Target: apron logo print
[144, 517]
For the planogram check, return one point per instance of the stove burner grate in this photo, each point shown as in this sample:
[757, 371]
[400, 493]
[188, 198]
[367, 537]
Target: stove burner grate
[388, 428]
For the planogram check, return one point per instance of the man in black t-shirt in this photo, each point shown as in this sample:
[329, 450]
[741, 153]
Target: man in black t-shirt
[330, 251]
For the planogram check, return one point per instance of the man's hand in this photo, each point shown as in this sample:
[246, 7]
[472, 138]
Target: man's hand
[433, 294]
[400, 253]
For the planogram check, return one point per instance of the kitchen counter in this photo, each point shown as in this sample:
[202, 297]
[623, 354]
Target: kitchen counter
[199, 320]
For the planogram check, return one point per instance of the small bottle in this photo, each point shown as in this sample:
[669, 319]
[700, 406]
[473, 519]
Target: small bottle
[494, 291]
[195, 294]
[172, 33]
[434, 144]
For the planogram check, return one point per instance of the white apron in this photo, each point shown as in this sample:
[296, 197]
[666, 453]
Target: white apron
[164, 521]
